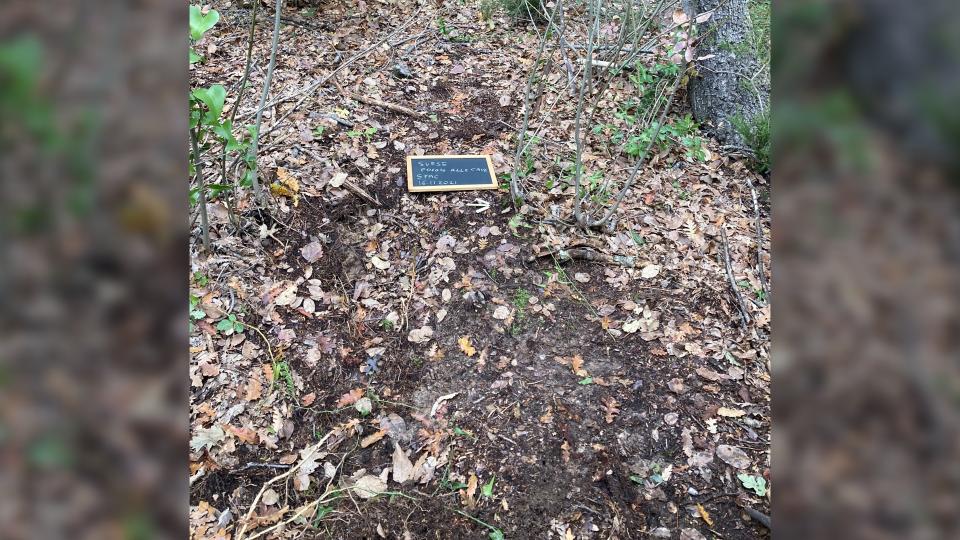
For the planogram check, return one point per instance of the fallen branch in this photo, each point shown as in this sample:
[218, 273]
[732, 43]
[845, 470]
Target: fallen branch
[744, 313]
[360, 192]
[383, 104]
[759, 232]
[254, 177]
[565, 255]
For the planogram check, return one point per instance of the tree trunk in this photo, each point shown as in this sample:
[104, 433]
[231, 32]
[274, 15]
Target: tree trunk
[731, 81]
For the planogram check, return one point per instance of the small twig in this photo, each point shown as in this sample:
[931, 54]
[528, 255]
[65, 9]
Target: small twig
[257, 192]
[759, 232]
[377, 103]
[744, 313]
[588, 255]
[204, 223]
[253, 465]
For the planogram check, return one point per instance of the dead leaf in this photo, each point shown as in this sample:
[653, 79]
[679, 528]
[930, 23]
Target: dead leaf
[611, 409]
[372, 438]
[582, 277]
[350, 398]
[704, 514]
[466, 346]
[676, 385]
[709, 374]
[420, 335]
[734, 456]
[471, 491]
[270, 497]
[379, 263]
[246, 435]
[337, 180]
[501, 313]
[402, 467]
[731, 413]
[547, 417]
[254, 388]
[207, 438]
[369, 487]
[650, 271]
[308, 399]
[312, 251]
[576, 364]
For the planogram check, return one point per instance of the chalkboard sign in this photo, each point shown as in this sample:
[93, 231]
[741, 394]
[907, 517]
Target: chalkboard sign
[450, 173]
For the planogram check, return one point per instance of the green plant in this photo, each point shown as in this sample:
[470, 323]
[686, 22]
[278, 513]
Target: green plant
[495, 533]
[281, 372]
[756, 134]
[442, 26]
[487, 489]
[457, 430]
[755, 483]
[200, 279]
[230, 325]
[195, 312]
[387, 324]
[199, 25]
[521, 299]
[487, 7]
[531, 10]
[366, 133]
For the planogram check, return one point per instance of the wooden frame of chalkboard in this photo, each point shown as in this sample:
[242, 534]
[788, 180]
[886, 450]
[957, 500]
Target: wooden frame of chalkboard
[456, 187]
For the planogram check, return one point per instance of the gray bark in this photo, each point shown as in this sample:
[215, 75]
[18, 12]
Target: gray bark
[731, 82]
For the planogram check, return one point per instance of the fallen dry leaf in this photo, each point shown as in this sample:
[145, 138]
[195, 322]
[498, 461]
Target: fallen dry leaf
[469, 500]
[420, 335]
[254, 388]
[350, 398]
[308, 399]
[312, 251]
[372, 438]
[501, 313]
[402, 468]
[611, 409]
[576, 364]
[735, 457]
[704, 514]
[731, 413]
[650, 271]
[369, 487]
[466, 346]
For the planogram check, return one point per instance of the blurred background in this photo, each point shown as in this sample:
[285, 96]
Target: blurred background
[93, 269]
[93, 263]
[866, 265]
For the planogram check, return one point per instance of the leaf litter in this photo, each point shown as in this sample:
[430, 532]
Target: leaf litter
[419, 276]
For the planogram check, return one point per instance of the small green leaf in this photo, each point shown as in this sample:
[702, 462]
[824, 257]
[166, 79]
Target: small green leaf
[756, 483]
[487, 489]
[497, 534]
[636, 479]
[214, 98]
[194, 57]
[588, 380]
[200, 23]
[224, 325]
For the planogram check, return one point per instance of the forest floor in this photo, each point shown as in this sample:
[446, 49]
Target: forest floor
[426, 365]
